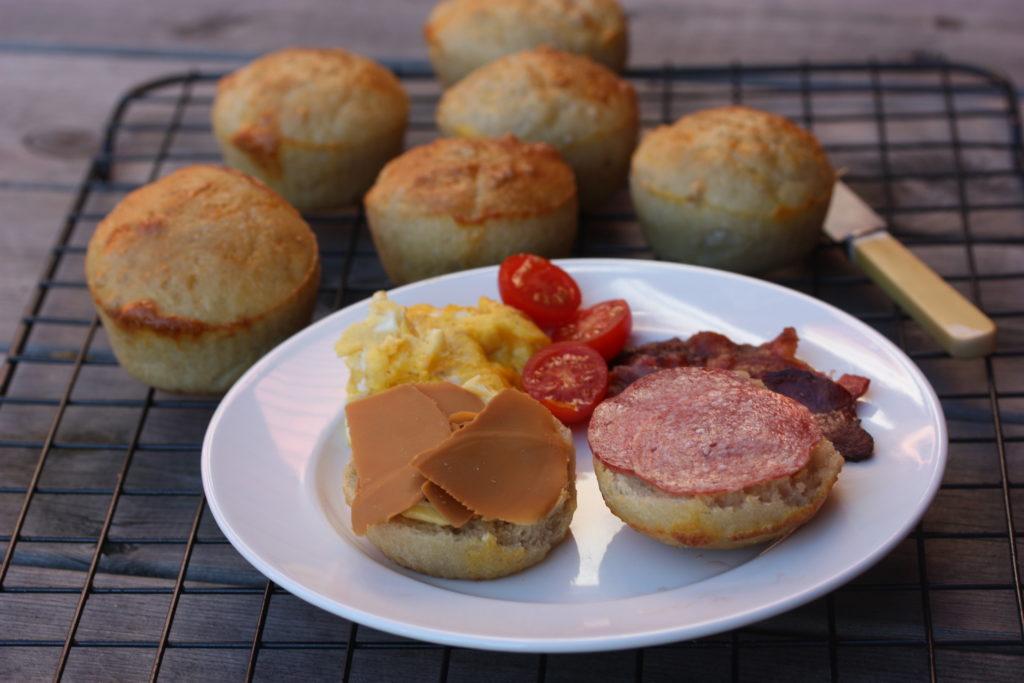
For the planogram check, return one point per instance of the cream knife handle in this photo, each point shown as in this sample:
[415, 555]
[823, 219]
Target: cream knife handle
[956, 323]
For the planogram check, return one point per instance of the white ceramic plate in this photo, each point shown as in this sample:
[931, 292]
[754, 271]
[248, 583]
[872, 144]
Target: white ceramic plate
[274, 453]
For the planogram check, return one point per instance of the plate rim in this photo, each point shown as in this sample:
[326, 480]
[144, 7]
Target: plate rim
[584, 643]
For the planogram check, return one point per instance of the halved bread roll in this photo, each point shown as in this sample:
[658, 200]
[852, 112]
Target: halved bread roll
[710, 458]
[481, 549]
[725, 520]
[459, 489]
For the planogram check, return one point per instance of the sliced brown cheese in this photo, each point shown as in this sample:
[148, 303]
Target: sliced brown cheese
[386, 497]
[388, 484]
[451, 398]
[507, 460]
[455, 512]
[510, 463]
[461, 419]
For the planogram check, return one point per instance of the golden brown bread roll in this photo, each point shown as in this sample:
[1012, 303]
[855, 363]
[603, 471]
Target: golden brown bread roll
[458, 203]
[481, 549]
[710, 458]
[579, 107]
[724, 520]
[465, 34]
[733, 188]
[316, 125]
[197, 275]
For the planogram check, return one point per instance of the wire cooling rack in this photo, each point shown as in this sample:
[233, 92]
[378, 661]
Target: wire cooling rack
[114, 568]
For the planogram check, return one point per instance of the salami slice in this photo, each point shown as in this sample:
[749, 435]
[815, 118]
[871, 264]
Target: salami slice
[691, 431]
[833, 403]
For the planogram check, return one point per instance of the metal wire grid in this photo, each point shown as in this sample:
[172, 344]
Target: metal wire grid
[171, 605]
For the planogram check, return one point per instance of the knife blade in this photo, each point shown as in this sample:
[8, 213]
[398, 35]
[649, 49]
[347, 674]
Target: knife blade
[949, 317]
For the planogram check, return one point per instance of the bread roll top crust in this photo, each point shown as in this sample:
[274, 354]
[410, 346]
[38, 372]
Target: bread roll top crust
[558, 97]
[735, 159]
[318, 97]
[475, 180]
[205, 247]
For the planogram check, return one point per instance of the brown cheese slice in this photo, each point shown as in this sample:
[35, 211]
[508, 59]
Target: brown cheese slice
[461, 419]
[455, 512]
[386, 497]
[451, 398]
[510, 463]
[382, 454]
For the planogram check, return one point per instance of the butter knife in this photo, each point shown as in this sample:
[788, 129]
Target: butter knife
[957, 324]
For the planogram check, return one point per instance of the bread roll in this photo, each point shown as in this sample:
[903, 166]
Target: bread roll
[726, 520]
[710, 458]
[481, 549]
[316, 125]
[197, 275]
[732, 188]
[465, 34]
[577, 106]
[458, 203]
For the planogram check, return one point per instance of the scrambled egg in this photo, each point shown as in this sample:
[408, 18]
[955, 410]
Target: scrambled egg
[482, 348]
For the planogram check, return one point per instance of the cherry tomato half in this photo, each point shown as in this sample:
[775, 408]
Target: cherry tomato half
[569, 378]
[538, 288]
[604, 327]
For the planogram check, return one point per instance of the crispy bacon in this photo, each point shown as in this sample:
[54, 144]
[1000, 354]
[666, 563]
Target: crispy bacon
[855, 384]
